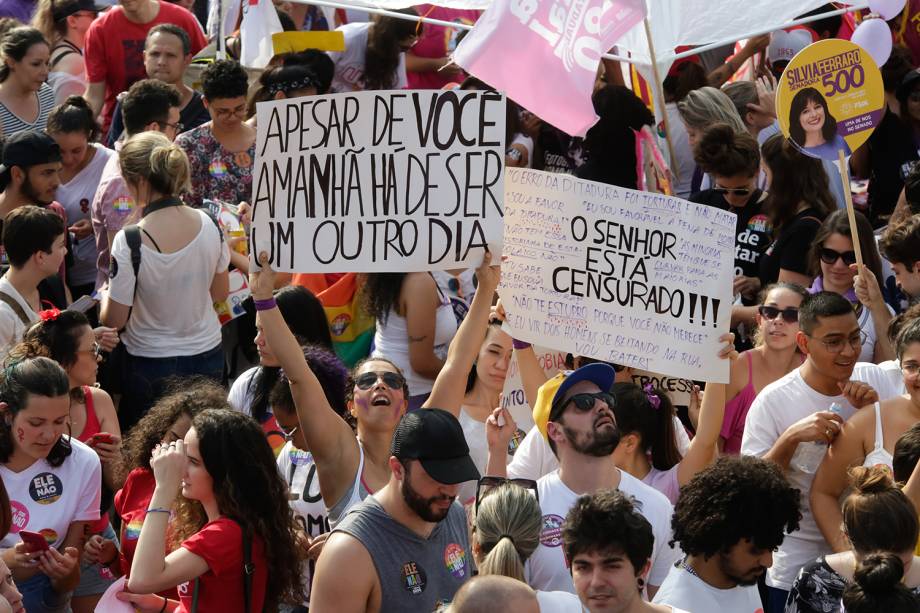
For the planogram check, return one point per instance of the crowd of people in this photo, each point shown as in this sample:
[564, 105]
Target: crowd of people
[261, 465]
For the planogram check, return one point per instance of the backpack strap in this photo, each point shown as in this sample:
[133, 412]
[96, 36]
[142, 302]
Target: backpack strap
[17, 308]
[248, 570]
[133, 238]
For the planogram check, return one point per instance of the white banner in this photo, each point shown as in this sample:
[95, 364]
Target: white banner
[392, 181]
[638, 279]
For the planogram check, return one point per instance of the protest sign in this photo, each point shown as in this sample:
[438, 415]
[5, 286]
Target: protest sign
[395, 181]
[513, 397]
[678, 389]
[638, 279]
[830, 98]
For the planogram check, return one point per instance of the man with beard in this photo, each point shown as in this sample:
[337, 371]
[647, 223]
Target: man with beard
[582, 432]
[406, 548]
[729, 519]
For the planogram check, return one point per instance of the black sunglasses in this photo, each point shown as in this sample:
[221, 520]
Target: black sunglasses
[585, 402]
[790, 314]
[487, 484]
[829, 256]
[392, 380]
[735, 191]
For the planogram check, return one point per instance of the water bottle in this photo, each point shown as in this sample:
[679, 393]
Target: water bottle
[808, 456]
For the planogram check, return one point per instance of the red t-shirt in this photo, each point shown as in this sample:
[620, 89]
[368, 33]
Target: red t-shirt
[131, 503]
[437, 42]
[114, 49]
[220, 543]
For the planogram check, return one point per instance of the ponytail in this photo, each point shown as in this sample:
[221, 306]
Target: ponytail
[507, 527]
[648, 413]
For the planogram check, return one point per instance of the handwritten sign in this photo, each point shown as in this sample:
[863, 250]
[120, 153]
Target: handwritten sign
[628, 277]
[678, 389]
[395, 181]
[830, 98]
[513, 397]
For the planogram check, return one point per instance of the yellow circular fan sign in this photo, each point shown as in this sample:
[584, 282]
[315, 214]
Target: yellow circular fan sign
[830, 98]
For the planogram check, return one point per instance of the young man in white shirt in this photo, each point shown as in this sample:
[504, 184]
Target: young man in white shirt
[728, 519]
[582, 431]
[609, 545]
[35, 244]
[792, 414]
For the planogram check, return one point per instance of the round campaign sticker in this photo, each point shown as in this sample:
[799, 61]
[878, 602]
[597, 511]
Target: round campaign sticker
[830, 98]
[414, 577]
[20, 516]
[46, 488]
[455, 560]
[551, 534]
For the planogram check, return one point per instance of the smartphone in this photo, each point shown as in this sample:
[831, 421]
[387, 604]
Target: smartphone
[84, 303]
[102, 437]
[34, 540]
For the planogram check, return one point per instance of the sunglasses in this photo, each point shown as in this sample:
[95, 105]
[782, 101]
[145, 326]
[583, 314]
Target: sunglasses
[288, 434]
[790, 314]
[488, 484]
[734, 191]
[829, 256]
[585, 402]
[392, 380]
[96, 350]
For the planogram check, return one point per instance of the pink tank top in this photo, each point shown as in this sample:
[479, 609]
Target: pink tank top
[736, 411]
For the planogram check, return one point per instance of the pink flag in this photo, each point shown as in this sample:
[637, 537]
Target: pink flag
[544, 53]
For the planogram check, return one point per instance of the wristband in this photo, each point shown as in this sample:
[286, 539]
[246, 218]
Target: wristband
[165, 602]
[265, 305]
[519, 344]
[158, 510]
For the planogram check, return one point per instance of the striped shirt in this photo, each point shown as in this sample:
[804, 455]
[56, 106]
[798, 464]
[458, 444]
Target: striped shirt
[11, 123]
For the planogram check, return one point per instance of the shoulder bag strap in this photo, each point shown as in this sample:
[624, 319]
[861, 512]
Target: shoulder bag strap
[133, 238]
[17, 308]
[248, 570]
[195, 597]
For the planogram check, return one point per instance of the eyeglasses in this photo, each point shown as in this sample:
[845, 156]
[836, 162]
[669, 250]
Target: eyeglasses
[829, 256]
[836, 345]
[288, 434]
[392, 380]
[178, 126]
[911, 369]
[790, 314]
[735, 191]
[228, 113]
[96, 350]
[585, 402]
[488, 484]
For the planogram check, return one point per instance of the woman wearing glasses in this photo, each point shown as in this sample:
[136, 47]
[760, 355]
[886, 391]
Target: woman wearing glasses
[221, 151]
[833, 262]
[868, 438]
[775, 354]
[67, 338]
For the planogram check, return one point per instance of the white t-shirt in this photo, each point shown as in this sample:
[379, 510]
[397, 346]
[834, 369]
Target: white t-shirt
[547, 568]
[867, 325]
[682, 589]
[11, 327]
[349, 64]
[76, 196]
[47, 499]
[892, 370]
[776, 408]
[240, 395]
[559, 602]
[173, 314]
[299, 472]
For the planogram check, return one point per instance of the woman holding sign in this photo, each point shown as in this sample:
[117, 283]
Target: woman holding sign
[812, 127]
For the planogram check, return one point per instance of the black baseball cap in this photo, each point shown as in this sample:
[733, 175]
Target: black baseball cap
[435, 438]
[63, 10]
[29, 148]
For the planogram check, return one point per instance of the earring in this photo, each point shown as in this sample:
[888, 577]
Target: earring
[641, 583]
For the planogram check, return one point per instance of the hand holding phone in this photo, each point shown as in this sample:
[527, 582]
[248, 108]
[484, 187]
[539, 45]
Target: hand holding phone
[102, 437]
[34, 540]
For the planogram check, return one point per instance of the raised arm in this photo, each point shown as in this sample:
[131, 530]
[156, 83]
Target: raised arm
[331, 441]
[449, 388]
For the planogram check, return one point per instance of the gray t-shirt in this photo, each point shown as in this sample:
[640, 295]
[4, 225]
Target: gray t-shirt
[416, 574]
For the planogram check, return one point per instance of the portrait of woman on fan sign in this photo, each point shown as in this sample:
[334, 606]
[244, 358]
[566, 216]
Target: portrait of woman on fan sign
[812, 127]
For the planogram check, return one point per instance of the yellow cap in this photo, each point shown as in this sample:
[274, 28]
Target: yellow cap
[544, 402]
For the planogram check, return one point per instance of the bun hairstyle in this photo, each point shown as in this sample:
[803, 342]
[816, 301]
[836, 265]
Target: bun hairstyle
[507, 528]
[877, 515]
[151, 156]
[726, 153]
[72, 115]
[877, 587]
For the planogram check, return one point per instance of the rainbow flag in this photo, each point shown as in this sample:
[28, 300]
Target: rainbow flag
[351, 327]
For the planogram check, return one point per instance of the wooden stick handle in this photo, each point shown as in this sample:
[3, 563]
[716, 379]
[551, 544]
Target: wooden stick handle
[851, 212]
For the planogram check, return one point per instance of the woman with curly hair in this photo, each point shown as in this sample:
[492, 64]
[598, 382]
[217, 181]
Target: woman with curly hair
[375, 53]
[878, 519]
[233, 537]
[415, 325]
[53, 480]
[168, 421]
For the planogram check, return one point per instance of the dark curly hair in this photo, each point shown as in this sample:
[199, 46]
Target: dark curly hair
[635, 415]
[736, 498]
[383, 51]
[58, 339]
[224, 79]
[328, 369]
[188, 396]
[380, 293]
[248, 489]
[21, 379]
[608, 520]
[906, 454]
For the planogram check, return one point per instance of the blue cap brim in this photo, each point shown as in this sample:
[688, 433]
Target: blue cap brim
[601, 375]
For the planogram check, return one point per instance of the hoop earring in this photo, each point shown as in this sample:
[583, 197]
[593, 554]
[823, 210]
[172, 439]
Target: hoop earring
[641, 583]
